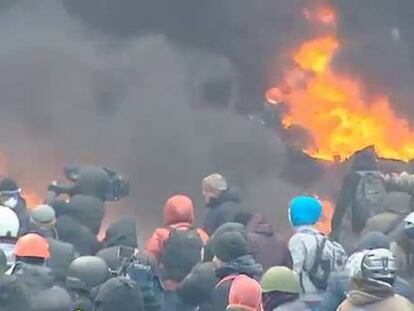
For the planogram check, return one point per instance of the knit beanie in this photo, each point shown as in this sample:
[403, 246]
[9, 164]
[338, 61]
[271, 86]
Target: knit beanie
[245, 294]
[230, 245]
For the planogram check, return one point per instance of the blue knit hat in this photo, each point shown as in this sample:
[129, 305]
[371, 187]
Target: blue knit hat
[304, 210]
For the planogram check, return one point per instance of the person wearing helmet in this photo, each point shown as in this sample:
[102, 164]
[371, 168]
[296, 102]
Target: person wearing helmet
[119, 293]
[371, 287]
[9, 229]
[43, 220]
[403, 248]
[84, 274]
[281, 290]
[11, 197]
[30, 250]
[31, 253]
[338, 284]
[222, 202]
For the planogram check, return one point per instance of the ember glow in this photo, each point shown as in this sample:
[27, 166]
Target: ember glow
[333, 109]
[325, 223]
[32, 198]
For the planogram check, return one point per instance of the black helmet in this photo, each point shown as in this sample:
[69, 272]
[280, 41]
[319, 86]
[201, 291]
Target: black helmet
[86, 272]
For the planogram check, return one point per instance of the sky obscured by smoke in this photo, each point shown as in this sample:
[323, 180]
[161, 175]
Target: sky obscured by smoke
[123, 84]
[73, 95]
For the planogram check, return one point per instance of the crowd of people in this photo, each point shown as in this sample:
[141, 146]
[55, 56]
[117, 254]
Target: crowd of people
[52, 260]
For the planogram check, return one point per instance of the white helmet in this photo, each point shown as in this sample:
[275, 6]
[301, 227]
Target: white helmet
[379, 264]
[9, 223]
[409, 225]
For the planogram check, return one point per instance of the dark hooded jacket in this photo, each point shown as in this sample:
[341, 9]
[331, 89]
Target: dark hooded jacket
[71, 231]
[14, 294]
[89, 211]
[119, 294]
[197, 288]
[91, 181]
[121, 233]
[364, 160]
[242, 265]
[61, 256]
[221, 210]
[44, 295]
[52, 299]
[265, 245]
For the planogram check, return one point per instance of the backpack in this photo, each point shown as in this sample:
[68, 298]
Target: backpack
[140, 270]
[329, 256]
[369, 198]
[181, 252]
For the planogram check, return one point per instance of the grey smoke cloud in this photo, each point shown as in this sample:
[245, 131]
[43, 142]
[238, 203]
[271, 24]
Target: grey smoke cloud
[72, 95]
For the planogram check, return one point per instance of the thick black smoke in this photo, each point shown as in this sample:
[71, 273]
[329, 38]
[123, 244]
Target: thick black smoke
[134, 104]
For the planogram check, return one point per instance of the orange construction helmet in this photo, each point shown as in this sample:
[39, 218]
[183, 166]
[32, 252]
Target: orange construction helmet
[32, 245]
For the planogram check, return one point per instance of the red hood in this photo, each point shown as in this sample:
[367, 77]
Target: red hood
[259, 225]
[178, 209]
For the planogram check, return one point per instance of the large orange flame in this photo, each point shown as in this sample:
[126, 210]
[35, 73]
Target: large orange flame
[332, 108]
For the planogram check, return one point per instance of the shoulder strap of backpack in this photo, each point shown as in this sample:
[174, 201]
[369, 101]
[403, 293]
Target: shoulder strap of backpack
[318, 255]
[230, 277]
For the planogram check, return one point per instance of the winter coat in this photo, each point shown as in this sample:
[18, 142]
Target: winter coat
[119, 294]
[339, 282]
[303, 245]
[180, 217]
[221, 210]
[62, 255]
[35, 277]
[14, 294]
[92, 181]
[89, 211]
[44, 295]
[52, 299]
[266, 246]
[198, 287]
[374, 295]
[121, 233]
[242, 265]
[71, 231]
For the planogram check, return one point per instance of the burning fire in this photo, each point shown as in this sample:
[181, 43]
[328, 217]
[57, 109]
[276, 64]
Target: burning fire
[325, 223]
[32, 199]
[332, 108]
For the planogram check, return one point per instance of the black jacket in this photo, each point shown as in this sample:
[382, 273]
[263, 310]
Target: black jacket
[198, 287]
[14, 294]
[62, 255]
[121, 233]
[221, 210]
[119, 294]
[242, 265]
[71, 231]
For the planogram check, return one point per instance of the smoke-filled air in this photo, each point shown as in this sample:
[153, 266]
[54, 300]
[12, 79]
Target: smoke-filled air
[206, 155]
